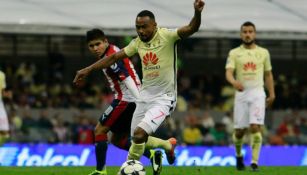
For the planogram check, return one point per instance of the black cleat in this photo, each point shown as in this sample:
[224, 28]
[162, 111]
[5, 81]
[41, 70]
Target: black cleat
[254, 167]
[240, 164]
[156, 161]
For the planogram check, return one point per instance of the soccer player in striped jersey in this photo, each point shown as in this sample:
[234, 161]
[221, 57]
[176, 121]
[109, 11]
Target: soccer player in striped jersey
[251, 64]
[125, 84]
[158, 52]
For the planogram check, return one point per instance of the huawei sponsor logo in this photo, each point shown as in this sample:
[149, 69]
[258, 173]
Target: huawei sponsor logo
[150, 58]
[249, 66]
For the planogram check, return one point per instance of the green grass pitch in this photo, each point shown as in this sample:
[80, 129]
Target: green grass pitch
[167, 170]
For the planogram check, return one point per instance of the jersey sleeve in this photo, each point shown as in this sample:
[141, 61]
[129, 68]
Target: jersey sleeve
[230, 62]
[131, 48]
[172, 34]
[267, 61]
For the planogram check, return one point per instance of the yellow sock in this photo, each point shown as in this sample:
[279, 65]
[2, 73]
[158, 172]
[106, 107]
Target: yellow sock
[238, 145]
[136, 151]
[154, 142]
[256, 143]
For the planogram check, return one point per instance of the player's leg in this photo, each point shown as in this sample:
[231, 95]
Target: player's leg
[148, 123]
[154, 117]
[241, 122]
[123, 141]
[144, 123]
[137, 150]
[256, 143]
[257, 115]
[168, 145]
[238, 138]
[101, 147]
[106, 122]
[141, 131]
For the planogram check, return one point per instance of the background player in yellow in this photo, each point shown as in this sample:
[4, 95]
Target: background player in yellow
[157, 49]
[251, 65]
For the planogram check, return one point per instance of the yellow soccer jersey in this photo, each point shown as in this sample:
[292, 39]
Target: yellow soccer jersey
[2, 83]
[249, 65]
[159, 57]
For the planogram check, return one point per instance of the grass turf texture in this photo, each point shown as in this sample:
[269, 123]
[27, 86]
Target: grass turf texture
[167, 170]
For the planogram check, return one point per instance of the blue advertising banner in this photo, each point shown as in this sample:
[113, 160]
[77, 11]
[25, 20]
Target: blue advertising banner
[84, 155]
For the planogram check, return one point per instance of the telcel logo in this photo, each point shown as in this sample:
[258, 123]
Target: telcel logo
[51, 159]
[208, 159]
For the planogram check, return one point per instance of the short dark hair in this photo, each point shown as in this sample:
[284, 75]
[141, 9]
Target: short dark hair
[94, 34]
[248, 23]
[148, 13]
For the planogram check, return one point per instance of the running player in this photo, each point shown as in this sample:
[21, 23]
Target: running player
[157, 49]
[125, 84]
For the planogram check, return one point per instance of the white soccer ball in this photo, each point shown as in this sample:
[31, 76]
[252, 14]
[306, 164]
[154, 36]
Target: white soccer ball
[132, 167]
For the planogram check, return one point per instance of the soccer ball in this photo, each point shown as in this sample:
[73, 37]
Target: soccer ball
[132, 167]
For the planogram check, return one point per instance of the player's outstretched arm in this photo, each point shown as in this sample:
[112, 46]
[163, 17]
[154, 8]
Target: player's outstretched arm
[100, 64]
[194, 24]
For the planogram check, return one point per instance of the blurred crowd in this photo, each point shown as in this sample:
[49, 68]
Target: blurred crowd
[191, 128]
[196, 93]
[200, 91]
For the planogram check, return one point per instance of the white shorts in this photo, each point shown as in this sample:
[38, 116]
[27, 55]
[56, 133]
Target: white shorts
[249, 108]
[150, 115]
[4, 124]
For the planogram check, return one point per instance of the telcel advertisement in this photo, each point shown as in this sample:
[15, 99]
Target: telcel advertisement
[79, 155]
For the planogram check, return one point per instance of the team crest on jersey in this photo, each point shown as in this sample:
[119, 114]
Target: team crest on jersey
[249, 66]
[150, 58]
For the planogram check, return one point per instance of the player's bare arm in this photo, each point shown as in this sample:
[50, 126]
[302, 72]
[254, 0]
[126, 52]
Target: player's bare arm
[130, 84]
[194, 24]
[100, 64]
[230, 78]
[269, 82]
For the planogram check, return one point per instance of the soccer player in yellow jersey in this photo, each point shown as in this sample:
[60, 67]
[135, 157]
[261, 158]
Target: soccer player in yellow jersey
[251, 65]
[4, 124]
[157, 49]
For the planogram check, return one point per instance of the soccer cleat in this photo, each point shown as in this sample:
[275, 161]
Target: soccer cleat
[240, 163]
[170, 155]
[156, 161]
[96, 172]
[254, 167]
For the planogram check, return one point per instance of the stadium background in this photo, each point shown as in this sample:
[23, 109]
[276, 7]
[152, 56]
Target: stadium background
[42, 44]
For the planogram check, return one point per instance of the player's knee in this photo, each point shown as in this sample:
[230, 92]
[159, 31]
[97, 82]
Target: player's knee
[239, 134]
[254, 128]
[139, 135]
[99, 129]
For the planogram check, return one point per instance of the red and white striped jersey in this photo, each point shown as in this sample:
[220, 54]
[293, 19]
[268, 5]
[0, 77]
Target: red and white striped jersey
[117, 73]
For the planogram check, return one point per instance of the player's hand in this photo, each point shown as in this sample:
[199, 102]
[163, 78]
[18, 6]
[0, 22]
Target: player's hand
[270, 100]
[238, 86]
[199, 5]
[80, 76]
